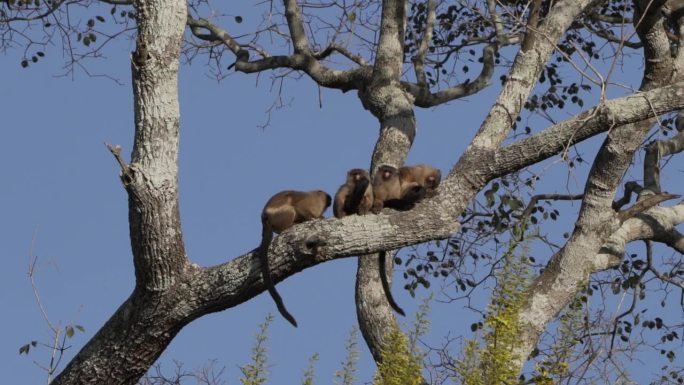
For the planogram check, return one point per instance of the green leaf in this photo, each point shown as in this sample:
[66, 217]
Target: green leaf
[70, 331]
[24, 349]
[80, 328]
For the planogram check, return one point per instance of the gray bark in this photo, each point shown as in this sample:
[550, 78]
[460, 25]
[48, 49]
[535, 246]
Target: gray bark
[393, 107]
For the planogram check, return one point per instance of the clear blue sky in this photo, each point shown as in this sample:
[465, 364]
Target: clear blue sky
[61, 184]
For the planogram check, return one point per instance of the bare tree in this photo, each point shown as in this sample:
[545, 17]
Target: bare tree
[397, 60]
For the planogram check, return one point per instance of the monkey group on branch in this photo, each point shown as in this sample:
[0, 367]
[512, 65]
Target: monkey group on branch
[398, 189]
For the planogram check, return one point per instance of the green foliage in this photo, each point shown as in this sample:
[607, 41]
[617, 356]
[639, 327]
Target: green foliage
[255, 373]
[421, 325]
[309, 373]
[492, 361]
[399, 366]
[347, 375]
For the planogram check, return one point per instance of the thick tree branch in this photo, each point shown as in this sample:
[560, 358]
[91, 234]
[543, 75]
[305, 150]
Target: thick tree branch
[656, 224]
[300, 42]
[234, 282]
[611, 114]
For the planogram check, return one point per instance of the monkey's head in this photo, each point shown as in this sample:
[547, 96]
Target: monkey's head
[356, 174]
[387, 172]
[432, 180]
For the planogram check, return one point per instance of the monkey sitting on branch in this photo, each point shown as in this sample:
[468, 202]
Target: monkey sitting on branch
[284, 210]
[401, 189]
[355, 196]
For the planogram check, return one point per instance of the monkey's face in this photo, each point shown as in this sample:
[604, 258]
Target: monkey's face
[431, 182]
[356, 175]
[387, 172]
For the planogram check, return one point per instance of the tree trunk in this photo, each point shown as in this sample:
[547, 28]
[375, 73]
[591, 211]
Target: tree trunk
[134, 337]
[393, 107]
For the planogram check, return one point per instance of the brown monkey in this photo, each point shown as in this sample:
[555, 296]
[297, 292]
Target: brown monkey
[386, 188]
[355, 196]
[401, 189]
[420, 175]
[281, 212]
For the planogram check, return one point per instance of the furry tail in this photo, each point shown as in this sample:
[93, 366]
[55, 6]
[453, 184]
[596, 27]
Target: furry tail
[266, 238]
[385, 284]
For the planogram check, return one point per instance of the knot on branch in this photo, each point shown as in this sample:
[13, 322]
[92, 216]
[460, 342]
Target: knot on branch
[386, 100]
[312, 243]
[140, 55]
[126, 171]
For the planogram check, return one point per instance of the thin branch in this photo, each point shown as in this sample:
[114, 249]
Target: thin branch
[419, 58]
[644, 205]
[635, 297]
[423, 99]
[341, 50]
[555, 197]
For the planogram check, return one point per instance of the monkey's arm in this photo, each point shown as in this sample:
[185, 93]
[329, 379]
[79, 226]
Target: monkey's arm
[408, 200]
[354, 197]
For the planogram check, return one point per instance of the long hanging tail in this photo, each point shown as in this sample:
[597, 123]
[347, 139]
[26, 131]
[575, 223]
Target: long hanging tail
[266, 237]
[385, 284]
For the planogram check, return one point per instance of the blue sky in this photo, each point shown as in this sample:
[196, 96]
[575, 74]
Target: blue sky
[61, 188]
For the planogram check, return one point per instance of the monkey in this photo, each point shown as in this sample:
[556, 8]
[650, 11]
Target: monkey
[386, 186]
[422, 175]
[402, 189]
[355, 196]
[284, 210]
